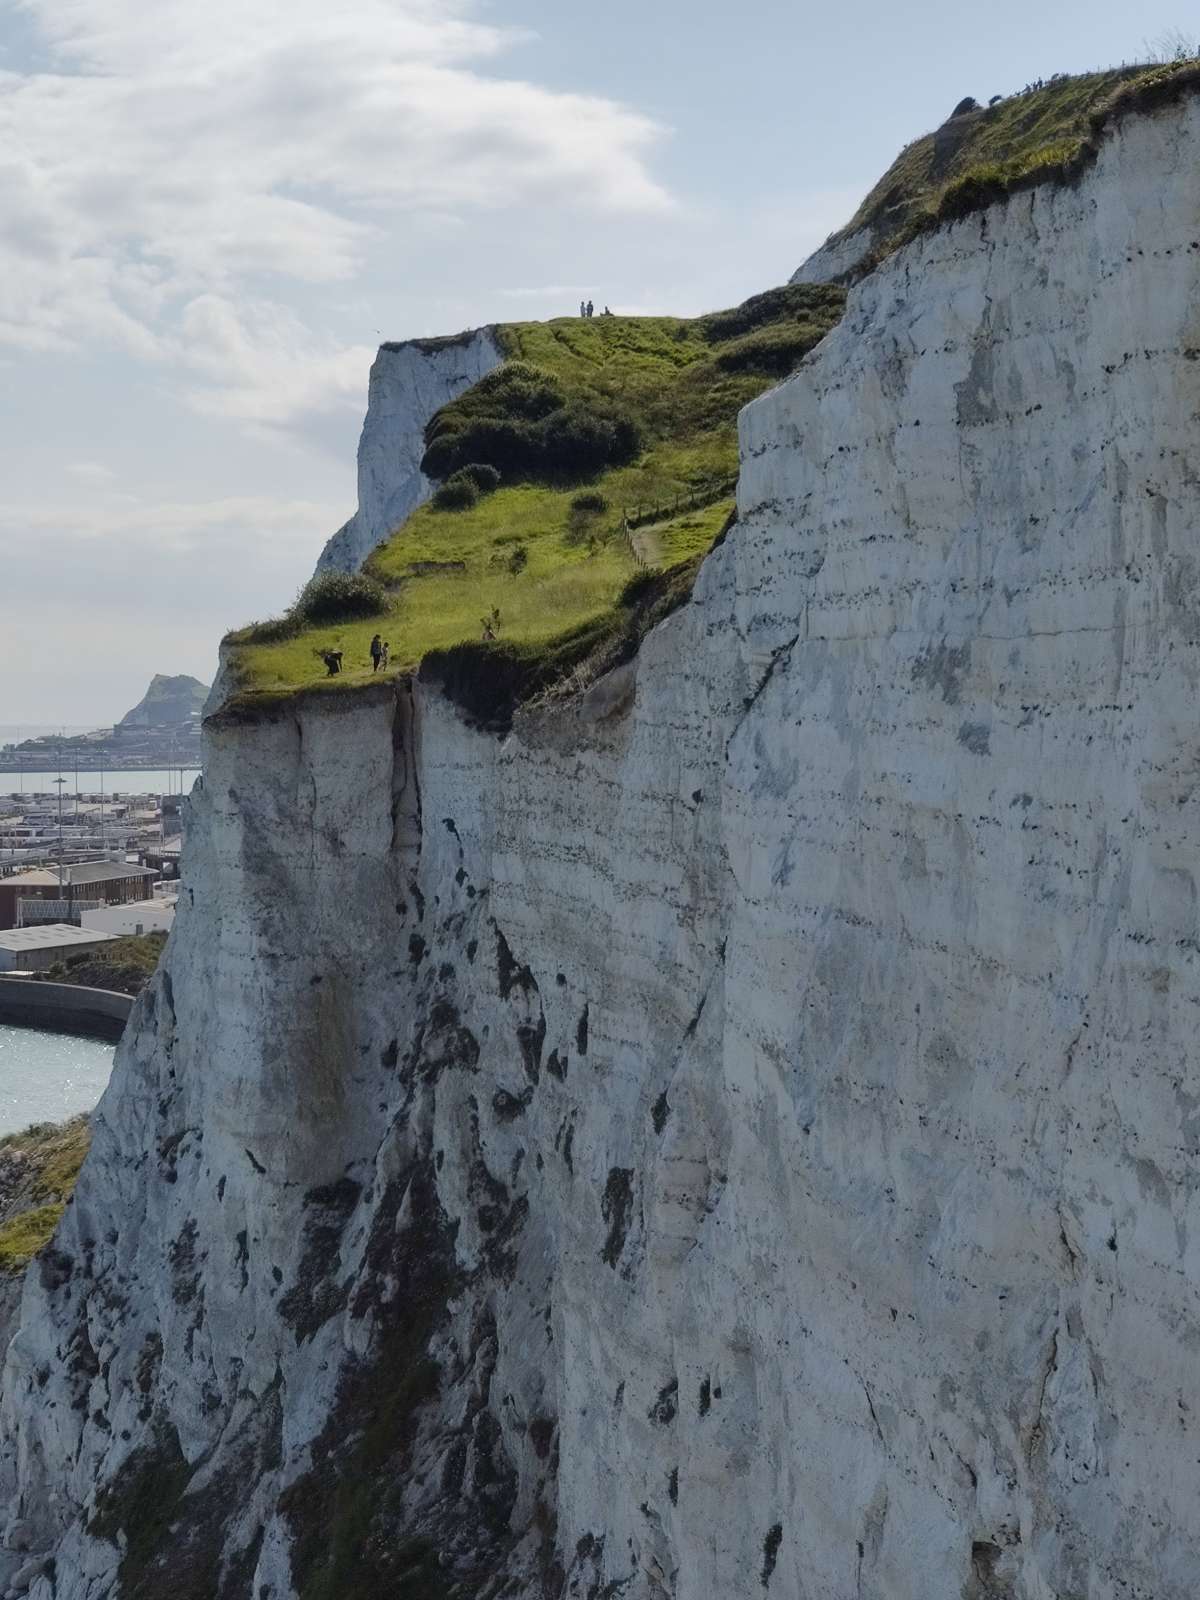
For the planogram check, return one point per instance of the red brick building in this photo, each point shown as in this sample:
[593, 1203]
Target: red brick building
[111, 882]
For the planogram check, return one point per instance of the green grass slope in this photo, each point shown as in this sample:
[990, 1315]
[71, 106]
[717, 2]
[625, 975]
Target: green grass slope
[1048, 133]
[38, 1169]
[588, 423]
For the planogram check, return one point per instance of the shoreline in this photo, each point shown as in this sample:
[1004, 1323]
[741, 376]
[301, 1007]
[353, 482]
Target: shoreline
[64, 1008]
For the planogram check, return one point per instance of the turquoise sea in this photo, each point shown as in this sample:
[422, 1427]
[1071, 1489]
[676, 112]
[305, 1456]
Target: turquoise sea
[47, 1077]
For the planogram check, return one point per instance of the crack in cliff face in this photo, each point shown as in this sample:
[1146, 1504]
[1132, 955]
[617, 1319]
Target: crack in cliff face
[407, 814]
[778, 657]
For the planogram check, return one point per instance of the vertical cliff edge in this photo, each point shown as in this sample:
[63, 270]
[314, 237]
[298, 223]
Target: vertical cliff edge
[410, 381]
[736, 1135]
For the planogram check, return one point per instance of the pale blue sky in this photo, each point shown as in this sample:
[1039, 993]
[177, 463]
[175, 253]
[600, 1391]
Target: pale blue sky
[211, 214]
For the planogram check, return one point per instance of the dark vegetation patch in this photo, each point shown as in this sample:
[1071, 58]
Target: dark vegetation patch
[353, 1529]
[590, 502]
[176, 1536]
[141, 1502]
[508, 1106]
[531, 1039]
[510, 973]
[316, 1294]
[664, 1409]
[531, 426]
[458, 493]
[660, 1112]
[771, 1552]
[616, 1208]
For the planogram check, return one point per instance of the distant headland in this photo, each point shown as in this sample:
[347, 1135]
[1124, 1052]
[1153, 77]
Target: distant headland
[162, 730]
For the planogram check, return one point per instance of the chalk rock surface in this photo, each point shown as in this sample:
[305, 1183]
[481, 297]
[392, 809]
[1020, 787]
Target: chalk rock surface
[836, 259]
[737, 1135]
[409, 383]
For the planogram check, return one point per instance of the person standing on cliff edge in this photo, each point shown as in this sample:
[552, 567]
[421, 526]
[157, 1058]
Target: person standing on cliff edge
[376, 653]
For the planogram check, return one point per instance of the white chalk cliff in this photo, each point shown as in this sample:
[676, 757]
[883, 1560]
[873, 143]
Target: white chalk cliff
[738, 1134]
[410, 382]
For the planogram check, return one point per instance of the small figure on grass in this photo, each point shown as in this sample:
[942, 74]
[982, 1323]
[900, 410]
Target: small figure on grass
[376, 652]
[332, 660]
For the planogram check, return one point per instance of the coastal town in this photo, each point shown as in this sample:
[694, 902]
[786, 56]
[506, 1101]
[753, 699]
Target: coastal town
[84, 865]
[77, 874]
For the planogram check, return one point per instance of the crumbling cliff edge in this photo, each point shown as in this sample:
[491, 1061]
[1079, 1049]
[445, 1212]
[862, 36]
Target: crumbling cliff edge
[738, 1134]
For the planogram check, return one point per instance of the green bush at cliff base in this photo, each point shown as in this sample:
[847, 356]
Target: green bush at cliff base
[681, 381]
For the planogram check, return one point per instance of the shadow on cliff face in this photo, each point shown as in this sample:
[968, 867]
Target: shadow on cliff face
[391, 1491]
[174, 1521]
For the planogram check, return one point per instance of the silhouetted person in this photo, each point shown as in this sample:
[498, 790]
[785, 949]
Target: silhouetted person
[387, 650]
[607, 312]
[333, 662]
[591, 310]
[583, 308]
[376, 653]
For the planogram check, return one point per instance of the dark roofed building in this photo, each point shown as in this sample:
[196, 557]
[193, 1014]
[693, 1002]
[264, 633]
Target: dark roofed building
[110, 883]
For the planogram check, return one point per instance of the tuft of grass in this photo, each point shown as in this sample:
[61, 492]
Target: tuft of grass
[40, 1166]
[682, 382]
[24, 1235]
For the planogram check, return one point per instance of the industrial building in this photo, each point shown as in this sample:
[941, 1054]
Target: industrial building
[35, 949]
[137, 916]
[61, 894]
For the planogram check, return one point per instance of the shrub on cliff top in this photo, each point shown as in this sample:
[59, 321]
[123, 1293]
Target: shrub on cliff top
[339, 597]
[484, 477]
[528, 426]
[462, 489]
[591, 500]
[458, 493]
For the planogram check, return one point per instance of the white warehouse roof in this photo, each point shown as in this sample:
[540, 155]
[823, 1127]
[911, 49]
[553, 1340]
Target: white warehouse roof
[51, 936]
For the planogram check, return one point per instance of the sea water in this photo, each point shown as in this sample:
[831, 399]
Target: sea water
[153, 780]
[47, 1077]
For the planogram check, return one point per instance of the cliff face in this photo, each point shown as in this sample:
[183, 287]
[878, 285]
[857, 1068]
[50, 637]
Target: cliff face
[736, 1135]
[409, 383]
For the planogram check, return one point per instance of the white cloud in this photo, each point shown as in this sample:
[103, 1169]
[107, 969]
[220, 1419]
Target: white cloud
[115, 587]
[180, 162]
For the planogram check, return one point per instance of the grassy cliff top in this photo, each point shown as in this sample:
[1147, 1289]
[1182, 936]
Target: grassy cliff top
[585, 425]
[1048, 132]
